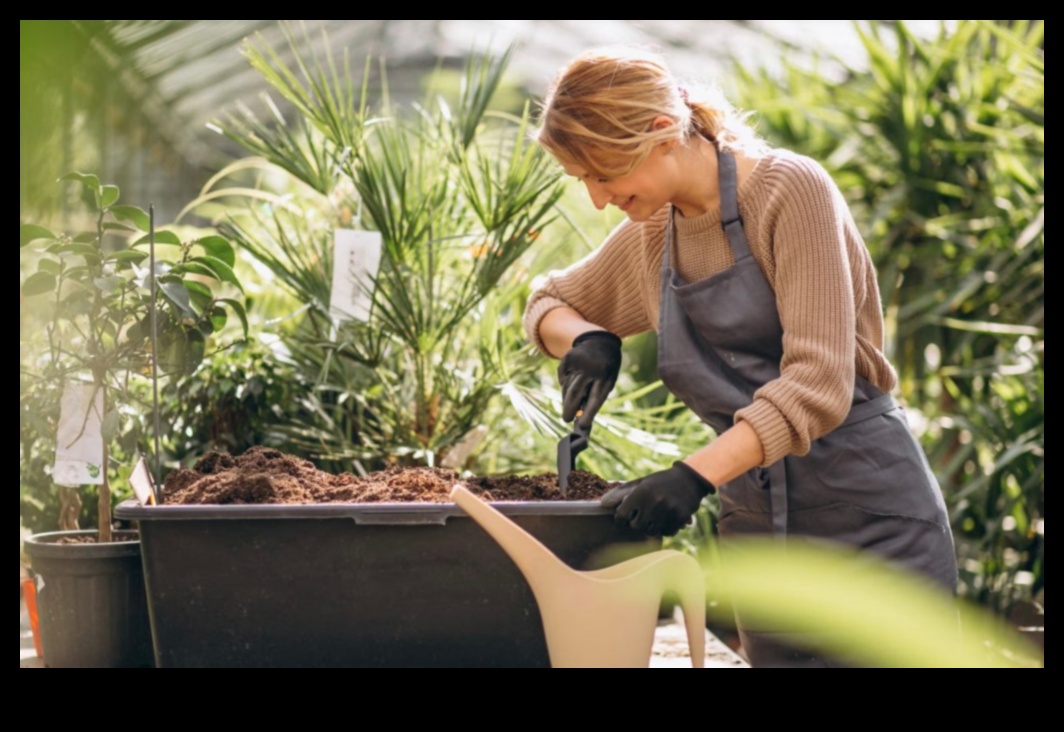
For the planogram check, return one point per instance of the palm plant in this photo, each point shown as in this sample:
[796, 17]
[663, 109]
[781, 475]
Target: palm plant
[458, 196]
[940, 147]
[442, 372]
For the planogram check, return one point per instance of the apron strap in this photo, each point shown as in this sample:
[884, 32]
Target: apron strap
[777, 481]
[731, 221]
[867, 410]
[729, 204]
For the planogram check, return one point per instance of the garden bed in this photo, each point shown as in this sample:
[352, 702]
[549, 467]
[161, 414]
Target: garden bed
[269, 477]
[263, 560]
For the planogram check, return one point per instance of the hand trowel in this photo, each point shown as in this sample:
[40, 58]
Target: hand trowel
[570, 446]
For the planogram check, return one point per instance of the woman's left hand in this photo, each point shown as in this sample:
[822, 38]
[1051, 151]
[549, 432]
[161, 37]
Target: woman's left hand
[662, 503]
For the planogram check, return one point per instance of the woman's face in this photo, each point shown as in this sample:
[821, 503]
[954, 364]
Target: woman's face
[640, 193]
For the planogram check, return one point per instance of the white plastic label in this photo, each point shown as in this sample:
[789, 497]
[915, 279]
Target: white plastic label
[356, 259]
[142, 483]
[79, 445]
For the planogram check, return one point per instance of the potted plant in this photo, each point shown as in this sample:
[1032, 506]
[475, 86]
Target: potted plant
[456, 196]
[85, 383]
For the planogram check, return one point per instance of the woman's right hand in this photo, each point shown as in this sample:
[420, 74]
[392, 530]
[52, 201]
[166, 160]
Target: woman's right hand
[587, 374]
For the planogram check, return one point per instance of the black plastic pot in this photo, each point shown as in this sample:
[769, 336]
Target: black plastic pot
[355, 586]
[91, 602]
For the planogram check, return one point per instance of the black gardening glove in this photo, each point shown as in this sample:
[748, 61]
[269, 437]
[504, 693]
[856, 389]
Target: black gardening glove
[587, 375]
[662, 503]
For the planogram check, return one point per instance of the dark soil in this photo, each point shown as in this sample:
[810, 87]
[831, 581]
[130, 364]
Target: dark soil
[91, 539]
[265, 476]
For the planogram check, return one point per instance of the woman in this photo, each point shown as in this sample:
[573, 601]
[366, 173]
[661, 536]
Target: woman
[748, 264]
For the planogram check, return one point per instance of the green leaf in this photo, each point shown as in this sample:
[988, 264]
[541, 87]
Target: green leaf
[224, 271]
[197, 269]
[89, 181]
[197, 351]
[127, 256]
[219, 318]
[201, 295]
[50, 265]
[219, 248]
[29, 233]
[112, 421]
[81, 250]
[124, 228]
[139, 331]
[176, 293]
[38, 284]
[161, 237]
[133, 215]
[240, 312]
[182, 351]
[108, 196]
[109, 284]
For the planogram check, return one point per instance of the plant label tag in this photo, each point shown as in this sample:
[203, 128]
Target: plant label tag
[356, 259]
[142, 483]
[79, 444]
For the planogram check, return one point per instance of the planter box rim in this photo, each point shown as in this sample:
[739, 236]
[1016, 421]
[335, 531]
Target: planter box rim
[360, 513]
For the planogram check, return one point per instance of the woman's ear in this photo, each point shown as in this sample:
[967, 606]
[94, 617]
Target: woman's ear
[662, 122]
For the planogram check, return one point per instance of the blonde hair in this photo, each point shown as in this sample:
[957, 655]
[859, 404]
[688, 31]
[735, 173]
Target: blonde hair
[599, 112]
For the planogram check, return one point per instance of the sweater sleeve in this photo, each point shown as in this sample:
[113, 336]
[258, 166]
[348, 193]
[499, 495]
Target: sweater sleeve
[605, 287]
[808, 228]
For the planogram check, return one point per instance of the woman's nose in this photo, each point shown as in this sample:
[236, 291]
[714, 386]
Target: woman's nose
[599, 197]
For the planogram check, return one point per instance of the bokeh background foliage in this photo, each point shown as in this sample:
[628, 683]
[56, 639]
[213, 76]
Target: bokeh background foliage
[940, 147]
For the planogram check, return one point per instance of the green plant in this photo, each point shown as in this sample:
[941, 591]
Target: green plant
[940, 147]
[442, 373]
[95, 289]
[235, 400]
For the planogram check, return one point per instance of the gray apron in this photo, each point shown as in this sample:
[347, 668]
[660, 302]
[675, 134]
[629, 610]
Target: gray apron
[865, 485]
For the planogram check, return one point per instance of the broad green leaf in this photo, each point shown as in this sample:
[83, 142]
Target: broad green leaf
[108, 196]
[161, 237]
[197, 351]
[201, 295]
[38, 284]
[133, 215]
[108, 284]
[29, 233]
[241, 313]
[80, 274]
[196, 268]
[219, 248]
[139, 331]
[88, 237]
[89, 181]
[176, 293]
[77, 250]
[224, 271]
[50, 265]
[123, 228]
[182, 351]
[172, 348]
[127, 256]
[219, 317]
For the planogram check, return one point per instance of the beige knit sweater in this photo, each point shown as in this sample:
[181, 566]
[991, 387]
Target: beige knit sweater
[804, 238]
